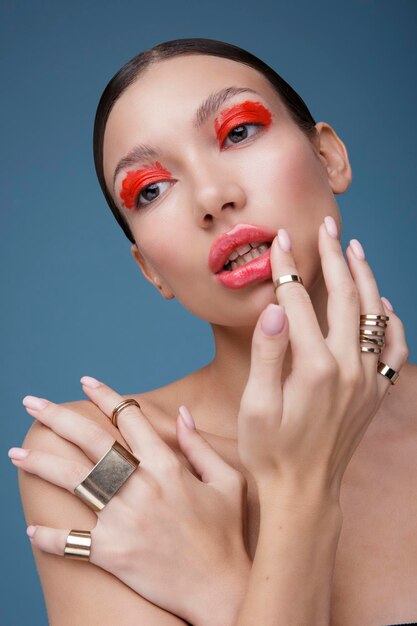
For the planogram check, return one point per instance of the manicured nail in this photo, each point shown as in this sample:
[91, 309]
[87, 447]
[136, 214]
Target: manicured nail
[284, 240]
[331, 226]
[273, 319]
[187, 418]
[32, 402]
[17, 453]
[89, 381]
[358, 251]
[387, 303]
[30, 531]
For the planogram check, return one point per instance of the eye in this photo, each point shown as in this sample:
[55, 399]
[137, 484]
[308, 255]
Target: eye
[151, 192]
[241, 133]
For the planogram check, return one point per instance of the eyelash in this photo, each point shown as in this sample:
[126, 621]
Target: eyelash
[139, 204]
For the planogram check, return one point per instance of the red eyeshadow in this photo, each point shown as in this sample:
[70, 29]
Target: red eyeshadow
[247, 112]
[134, 182]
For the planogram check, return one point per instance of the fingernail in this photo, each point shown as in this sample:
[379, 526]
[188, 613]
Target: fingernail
[273, 319]
[331, 226]
[387, 303]
[32, 402]
[284, 240]
[358, 251]
[187, 418]
[89, 381]
[30, 531]
[17, 453]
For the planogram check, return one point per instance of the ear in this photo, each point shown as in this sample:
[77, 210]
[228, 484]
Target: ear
[334, 157]
[149, 273]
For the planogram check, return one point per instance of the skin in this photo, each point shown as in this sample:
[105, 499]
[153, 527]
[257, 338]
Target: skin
[277, 179]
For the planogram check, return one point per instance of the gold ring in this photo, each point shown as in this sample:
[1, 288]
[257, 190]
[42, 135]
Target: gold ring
[120, 408]
[287, 278]
[106, 477]
[78, 545]
[387, 371]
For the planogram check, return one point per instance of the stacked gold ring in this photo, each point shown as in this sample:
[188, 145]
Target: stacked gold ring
[374, 338]
[122, 405]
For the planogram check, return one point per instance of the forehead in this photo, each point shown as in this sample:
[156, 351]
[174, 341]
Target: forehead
[165, 98]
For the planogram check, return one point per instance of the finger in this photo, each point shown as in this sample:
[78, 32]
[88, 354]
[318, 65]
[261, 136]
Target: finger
[209, 465]
[89, 436]
[395, 352]
[132, 422]
[56, 470]
[53, 540]
[370, 299]
[269, 345]
[304, 330]
[343, 304]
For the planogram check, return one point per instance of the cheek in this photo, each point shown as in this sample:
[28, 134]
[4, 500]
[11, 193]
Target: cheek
[291, 174]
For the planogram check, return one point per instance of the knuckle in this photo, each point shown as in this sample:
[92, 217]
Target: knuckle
[95, 433]
[404, 353]
[75, 473]
[322, 370]
[168, 464]
[351, 375]
[295, 292]
[237, 480]
[348, 290]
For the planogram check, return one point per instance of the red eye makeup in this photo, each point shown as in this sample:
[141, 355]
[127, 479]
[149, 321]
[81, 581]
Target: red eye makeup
[135, 181]
[247, 112]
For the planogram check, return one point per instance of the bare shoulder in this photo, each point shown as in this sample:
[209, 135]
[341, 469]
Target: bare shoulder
[76, 592]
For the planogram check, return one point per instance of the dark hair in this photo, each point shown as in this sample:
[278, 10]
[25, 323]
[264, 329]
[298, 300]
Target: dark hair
[177, 47]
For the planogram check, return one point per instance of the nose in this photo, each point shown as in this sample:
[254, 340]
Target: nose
[216, 189]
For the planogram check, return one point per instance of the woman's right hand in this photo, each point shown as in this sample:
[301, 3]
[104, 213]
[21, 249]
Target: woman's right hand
[176, 540]
[301, 432]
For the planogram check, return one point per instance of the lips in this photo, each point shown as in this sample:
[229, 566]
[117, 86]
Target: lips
[237, 236]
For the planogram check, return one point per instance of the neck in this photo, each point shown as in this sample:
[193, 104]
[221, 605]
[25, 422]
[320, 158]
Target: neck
[221, 383]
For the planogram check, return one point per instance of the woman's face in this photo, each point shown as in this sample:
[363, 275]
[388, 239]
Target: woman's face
[205, 178]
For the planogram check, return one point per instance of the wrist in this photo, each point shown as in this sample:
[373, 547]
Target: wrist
[313, 500]
[223, 596]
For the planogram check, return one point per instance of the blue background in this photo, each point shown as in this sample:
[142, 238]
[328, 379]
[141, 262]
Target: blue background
[74, 302]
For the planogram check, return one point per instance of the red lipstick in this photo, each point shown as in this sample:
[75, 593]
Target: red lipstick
[247, 112]
[254, 270]
[135, 181]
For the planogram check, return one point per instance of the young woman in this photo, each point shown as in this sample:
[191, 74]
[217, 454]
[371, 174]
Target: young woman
[260, 515]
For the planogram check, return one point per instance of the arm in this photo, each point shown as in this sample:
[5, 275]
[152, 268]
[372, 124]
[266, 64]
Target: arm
[297, 433]
[74, 592]
[291, 578]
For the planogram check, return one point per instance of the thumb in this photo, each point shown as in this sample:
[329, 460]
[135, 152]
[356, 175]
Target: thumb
[202, 456]
[269, 345]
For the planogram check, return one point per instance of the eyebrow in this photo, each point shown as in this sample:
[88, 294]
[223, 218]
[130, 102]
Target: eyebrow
[211, 105]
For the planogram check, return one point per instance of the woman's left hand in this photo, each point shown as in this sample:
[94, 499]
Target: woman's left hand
[174, 539]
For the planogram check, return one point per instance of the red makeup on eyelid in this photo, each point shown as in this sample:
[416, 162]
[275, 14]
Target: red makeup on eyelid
[247, 112]
[135, 181]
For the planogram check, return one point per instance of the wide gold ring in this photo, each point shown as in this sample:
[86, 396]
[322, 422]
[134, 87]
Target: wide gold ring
[78, 545]
[106, 477]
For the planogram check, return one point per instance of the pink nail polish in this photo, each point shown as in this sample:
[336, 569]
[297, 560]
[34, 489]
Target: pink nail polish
[17, 453]
[89, 381]
[284, 240]
[273, 319]
[331, 226]
[30, 531]
[32, 402]
[187, 417]
[358, 251]
[387, 303]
